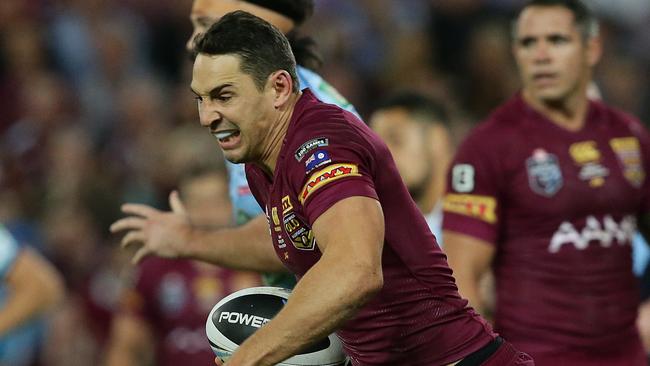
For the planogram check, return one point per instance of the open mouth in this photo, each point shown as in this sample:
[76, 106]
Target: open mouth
[226, 136]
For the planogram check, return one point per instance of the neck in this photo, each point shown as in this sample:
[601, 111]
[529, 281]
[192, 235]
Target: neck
[568, 113]
[277, 132]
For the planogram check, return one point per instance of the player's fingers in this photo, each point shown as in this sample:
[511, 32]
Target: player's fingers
[128, 223]
[133, 237]
[175, 203]
[216, 361]
[138, 209]
[140, 255]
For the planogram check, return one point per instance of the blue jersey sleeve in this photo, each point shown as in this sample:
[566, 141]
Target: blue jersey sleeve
[8, 251]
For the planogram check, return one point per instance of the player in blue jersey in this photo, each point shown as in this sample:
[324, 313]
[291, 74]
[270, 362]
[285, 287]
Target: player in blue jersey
[286, 15]
[30, 286]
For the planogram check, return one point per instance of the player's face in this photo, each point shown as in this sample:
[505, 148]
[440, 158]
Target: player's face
[231, 106]
[207, 12]
[406, 140]
[553, 58]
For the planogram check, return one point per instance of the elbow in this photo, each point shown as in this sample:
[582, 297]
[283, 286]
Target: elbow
[370, 282]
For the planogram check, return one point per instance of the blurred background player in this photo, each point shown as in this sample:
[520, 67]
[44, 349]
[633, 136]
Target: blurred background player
[162, 316]
[30, 288]
[548, 192]
[414, 127]
[286, 15]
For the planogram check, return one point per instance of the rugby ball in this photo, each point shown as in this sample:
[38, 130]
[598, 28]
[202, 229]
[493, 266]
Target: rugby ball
[240, 314]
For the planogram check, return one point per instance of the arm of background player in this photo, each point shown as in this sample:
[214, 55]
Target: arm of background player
[131, 342]
[350, 234]
[470, 259]
[643, 225]
[34, 286]
[170, 234]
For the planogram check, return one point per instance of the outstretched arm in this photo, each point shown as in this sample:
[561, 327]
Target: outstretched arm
[350, 235]
[170, 234]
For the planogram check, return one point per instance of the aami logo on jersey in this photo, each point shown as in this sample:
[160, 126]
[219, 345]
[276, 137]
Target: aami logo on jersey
[585, 154]
[479, 207]
[629, 155]
[544, 174]
[594, 231]
[327, 175]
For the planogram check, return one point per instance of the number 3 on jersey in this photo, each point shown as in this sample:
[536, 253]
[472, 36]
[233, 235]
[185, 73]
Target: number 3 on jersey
[462, 178]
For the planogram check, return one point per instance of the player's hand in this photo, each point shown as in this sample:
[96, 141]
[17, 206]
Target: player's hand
[161, 233]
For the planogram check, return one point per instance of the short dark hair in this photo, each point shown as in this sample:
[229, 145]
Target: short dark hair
[296, 10]
[584, 18]
[261, 47]
[417, 105]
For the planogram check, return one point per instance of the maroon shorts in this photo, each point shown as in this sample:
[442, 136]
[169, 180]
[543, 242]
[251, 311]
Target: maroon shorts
[497, 353]
[508, 355]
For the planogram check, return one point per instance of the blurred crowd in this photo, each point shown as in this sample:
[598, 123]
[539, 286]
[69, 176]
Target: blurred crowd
[95, 110]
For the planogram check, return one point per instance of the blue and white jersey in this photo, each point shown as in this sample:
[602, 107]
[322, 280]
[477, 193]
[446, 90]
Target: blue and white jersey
[244, 205]
[18, 347]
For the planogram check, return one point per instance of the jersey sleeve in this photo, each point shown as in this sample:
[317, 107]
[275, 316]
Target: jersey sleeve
[471, 202]
[9, 250]
[330, 165]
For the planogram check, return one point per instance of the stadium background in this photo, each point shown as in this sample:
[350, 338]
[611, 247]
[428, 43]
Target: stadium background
[95, 110]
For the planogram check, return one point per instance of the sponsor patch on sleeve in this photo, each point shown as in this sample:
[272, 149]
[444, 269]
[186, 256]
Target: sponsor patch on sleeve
[479, 207]
[309, 146]
[327, 175]
[317, 159]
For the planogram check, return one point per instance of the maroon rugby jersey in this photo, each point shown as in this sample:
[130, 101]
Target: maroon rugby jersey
[560, 207]
[328, 155]
[175, 297]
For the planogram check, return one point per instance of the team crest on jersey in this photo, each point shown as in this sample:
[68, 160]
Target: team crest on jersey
[301, 235]
[309, 146]
[628, 151]
[585, 154]
[327, 175]
[317, 159]
[544, 174]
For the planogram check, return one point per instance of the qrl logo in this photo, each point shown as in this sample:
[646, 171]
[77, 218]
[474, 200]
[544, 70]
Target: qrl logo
[242, 318]
[327, 175]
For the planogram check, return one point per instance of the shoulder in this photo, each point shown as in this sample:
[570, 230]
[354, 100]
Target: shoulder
[321, 124]
[500, 128]
[620, 119]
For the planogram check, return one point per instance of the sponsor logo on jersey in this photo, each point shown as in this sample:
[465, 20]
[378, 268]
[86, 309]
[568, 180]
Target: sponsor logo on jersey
[234, 317]
[475, 206]
[317, 159]
[301, 235]
[286, 204]
[325, 176]
[605, 233]
[544, 174]
[628, 151]
[309, 146]
[585, 154]
[462, 178]
[274, 223]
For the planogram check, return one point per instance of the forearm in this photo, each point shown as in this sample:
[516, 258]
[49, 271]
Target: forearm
[247, 247]
[34, 286]
[131, 342]
[328, 295]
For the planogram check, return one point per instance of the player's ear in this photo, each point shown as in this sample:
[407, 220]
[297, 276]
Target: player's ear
[282, 87]
[594, 50]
